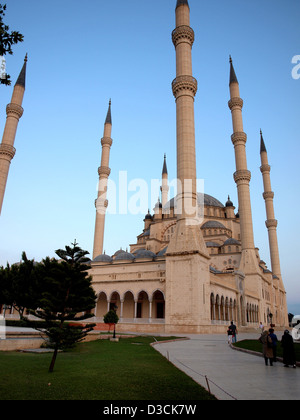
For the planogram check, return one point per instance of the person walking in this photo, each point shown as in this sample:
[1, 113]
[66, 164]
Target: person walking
[267, 343]
[233, 330]
[261, 327]
[229, 333]
[289, 356]
[274, 341]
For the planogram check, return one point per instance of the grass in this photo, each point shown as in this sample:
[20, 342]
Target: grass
[255, 345]
[98, 370]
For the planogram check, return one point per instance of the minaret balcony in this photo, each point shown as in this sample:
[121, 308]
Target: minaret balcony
[268, 195]
[242, 177]
[106, 141]
[235, 103]
[272, 223]
[183, 84]
[104, 170]
[265, 168]
[239, 138]
[7, 150]
[183, 34]
[14, 110]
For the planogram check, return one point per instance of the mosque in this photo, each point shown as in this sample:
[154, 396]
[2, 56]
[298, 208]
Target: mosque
[194, 267]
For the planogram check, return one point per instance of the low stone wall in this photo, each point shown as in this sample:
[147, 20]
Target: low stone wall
[13, 344]
[24, 341]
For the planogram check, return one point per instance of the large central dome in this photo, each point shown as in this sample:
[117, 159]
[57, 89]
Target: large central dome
[207, 199]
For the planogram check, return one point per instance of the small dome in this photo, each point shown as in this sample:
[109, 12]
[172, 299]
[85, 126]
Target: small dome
[212, 244]
[148, 216]
[208, 200]
[232, 241]
[229, 203]
[213, 224]
[144, 253]
[124, 256]
[103, 258]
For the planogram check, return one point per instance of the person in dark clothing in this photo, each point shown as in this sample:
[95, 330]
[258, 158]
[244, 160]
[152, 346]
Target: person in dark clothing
[274, 341]
[232, 328]
[289, 356]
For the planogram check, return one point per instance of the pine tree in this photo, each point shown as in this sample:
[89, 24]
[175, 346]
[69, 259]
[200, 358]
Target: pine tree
[18, 285]
[66, 295]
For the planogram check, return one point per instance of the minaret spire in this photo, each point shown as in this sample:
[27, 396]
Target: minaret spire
[22, 76]
[233, 78]
[104, 172]
[108, 116]
[182, 2]
[14, 112]
[165, 184]
[242, 176]
[262, 143]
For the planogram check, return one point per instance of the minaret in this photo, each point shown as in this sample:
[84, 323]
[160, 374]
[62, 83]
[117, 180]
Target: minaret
[104, 172]
[242, 176]
[187, 259]
[165, 184]
[14, 112]
[184, 89]
[280, 305]
[271, 222]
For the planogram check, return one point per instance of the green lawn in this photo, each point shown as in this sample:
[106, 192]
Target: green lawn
[255, 345]
[99, 370]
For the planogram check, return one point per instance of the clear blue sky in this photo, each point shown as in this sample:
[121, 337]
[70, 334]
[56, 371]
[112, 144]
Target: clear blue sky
[82, 54]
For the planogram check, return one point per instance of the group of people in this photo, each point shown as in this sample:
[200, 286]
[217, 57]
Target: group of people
[269, 341]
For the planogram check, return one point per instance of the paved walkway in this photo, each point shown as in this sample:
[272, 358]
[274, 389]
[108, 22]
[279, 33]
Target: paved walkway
[232, 375]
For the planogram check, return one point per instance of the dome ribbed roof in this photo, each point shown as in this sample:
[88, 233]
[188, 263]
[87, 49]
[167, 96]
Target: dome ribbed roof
[232, 241]
[103, 258]
[144, 253]
[213, 224]
[212, 244]
[124, 256]
[208, 201]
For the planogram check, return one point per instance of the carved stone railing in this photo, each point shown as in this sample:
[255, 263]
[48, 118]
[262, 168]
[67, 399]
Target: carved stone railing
[239, 138]
[183, 34]
[235, 103]
[14, 110]
[184, 84]
[7, 150]
[242, 176]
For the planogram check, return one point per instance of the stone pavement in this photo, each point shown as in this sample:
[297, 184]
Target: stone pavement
[231, 374]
